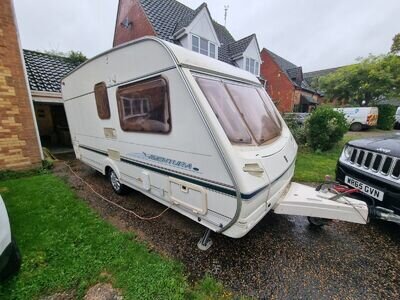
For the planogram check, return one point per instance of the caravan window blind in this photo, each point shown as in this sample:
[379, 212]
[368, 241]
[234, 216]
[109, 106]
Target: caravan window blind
[144, 106]
[102, 104]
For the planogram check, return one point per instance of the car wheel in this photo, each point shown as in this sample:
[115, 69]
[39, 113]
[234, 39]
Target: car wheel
[117, 186]
[356, 127]
[14, 263]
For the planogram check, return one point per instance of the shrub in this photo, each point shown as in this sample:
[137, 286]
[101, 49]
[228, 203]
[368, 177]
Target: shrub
[386, 117]
[324, 128]
[297, 130]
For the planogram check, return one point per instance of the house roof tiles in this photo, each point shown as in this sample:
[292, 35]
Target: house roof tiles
[170, 16]
[186, 20]
[238, 47]
[292, 72]
[45, 71]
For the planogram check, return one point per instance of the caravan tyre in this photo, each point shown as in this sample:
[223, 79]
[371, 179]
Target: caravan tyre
[318, 222]
[117, 186]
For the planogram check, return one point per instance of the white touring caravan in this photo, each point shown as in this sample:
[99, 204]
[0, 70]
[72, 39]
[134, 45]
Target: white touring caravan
[194, 133]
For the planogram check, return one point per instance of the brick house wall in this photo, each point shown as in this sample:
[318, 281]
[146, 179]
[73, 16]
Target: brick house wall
[140, 26]
[279, 87]
[19, 146]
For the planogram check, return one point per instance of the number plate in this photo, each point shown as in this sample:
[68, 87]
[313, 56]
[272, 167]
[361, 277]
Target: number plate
[366, 189]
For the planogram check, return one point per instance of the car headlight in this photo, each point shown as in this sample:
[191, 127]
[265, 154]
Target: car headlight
[347, 151]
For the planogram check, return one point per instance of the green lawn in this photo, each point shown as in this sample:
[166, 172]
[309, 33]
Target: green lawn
[312, 167]
[67, 247]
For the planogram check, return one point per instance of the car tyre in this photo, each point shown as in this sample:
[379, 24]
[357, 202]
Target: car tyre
[356, 127]
[14, 263]
[117, 186]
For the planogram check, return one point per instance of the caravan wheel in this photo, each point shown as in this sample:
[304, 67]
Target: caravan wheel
[318, 222]
[117, 186]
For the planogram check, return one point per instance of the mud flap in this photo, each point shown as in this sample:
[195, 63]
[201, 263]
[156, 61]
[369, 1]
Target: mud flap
[302, 200]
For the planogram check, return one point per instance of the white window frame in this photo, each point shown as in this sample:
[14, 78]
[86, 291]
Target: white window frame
[256, 65]
[144, 107]
[209, 43]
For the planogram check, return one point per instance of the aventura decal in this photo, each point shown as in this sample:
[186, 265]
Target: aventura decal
[166, 161]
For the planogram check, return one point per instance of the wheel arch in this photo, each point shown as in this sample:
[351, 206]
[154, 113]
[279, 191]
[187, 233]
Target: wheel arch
[109, 164]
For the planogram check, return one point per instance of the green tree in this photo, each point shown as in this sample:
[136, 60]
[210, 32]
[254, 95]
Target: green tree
[395, 49]
[76, 57]
[371, 80]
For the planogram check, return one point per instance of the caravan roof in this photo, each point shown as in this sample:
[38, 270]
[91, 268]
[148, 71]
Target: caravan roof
[184, 57]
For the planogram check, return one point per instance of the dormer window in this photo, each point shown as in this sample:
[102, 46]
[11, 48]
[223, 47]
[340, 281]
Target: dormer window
[252, 66]
[203, 46]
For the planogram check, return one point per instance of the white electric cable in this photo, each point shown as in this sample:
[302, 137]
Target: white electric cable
[113, 203]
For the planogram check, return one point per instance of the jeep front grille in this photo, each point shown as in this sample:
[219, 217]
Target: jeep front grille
[378, 163]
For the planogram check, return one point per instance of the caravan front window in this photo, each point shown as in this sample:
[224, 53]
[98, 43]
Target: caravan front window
[144, 106]
[261, 119]
[225, 110]
[245, 112]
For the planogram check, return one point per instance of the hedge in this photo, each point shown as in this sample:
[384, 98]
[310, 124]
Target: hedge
[386, 117]
[324, 128]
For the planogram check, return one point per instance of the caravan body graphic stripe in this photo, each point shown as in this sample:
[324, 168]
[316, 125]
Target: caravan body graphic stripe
[164, 171]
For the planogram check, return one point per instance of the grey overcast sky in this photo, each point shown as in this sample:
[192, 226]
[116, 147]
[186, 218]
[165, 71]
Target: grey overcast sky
[315, 34]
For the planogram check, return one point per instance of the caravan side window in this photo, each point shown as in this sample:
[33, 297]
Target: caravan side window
[144, 106]
[101, 96]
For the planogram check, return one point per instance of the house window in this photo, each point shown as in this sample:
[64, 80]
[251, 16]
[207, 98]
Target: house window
[195, 43]
[212, 50]
[102, 104]
[203, 46]
[252, 66]
[144, 106]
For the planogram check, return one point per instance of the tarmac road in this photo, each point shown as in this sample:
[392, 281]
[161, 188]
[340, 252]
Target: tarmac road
[282, 257]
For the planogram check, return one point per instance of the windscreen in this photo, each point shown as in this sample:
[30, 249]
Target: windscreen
[250, 110]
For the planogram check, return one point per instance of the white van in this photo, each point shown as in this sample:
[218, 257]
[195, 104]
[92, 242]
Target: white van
[10, 259]
[194, 133]
[360, 117]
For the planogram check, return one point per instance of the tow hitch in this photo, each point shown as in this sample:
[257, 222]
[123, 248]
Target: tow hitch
[322, 203]
[382, 213]
[330, 201]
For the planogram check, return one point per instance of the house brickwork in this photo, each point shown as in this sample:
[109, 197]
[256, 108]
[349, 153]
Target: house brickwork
[286, 85]
[132, 23]
[279, 87]
[19, 146]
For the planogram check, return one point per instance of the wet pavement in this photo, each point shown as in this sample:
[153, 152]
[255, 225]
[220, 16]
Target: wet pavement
[282, 257]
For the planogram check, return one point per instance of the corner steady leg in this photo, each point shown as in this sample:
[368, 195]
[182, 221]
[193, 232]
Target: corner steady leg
[205, 242]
